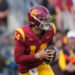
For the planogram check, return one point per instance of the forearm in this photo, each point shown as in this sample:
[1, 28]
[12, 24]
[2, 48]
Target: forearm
[24, 58]
[19, 54]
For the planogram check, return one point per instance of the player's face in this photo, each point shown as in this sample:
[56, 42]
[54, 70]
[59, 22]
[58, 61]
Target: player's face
[71, 42]
[45, 24]
[36, 30]
[59, 43]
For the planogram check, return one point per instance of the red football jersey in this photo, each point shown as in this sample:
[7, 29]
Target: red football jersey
[27, 44]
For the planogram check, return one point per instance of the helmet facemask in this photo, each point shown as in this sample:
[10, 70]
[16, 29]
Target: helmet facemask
[44, 22]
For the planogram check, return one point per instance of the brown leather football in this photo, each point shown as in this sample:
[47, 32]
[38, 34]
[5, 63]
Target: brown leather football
[53, 48]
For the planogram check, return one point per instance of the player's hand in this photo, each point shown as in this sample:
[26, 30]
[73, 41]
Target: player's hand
[47, 54]
[70, 68]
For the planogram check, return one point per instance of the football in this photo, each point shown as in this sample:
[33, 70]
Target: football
[53, 49]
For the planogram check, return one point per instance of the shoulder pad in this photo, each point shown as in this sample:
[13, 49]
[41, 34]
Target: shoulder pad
[19, 34]
[54, 28]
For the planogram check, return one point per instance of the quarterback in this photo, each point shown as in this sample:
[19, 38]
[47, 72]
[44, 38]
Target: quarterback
[31, 41]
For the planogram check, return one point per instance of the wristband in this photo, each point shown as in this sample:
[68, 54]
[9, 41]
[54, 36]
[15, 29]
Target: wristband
[38, 55]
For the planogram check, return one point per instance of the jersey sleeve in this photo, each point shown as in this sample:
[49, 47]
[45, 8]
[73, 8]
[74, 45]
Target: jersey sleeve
[54, 28]
[19, 50]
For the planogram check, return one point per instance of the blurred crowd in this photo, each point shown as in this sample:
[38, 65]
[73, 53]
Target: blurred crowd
[13, 14]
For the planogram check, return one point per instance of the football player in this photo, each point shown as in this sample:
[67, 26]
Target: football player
[31, 41]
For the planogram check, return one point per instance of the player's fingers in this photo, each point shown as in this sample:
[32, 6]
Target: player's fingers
[50, 51]
[49, 59]
[49, 56]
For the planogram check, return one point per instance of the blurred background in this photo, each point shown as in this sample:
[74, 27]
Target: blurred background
[13, 14]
